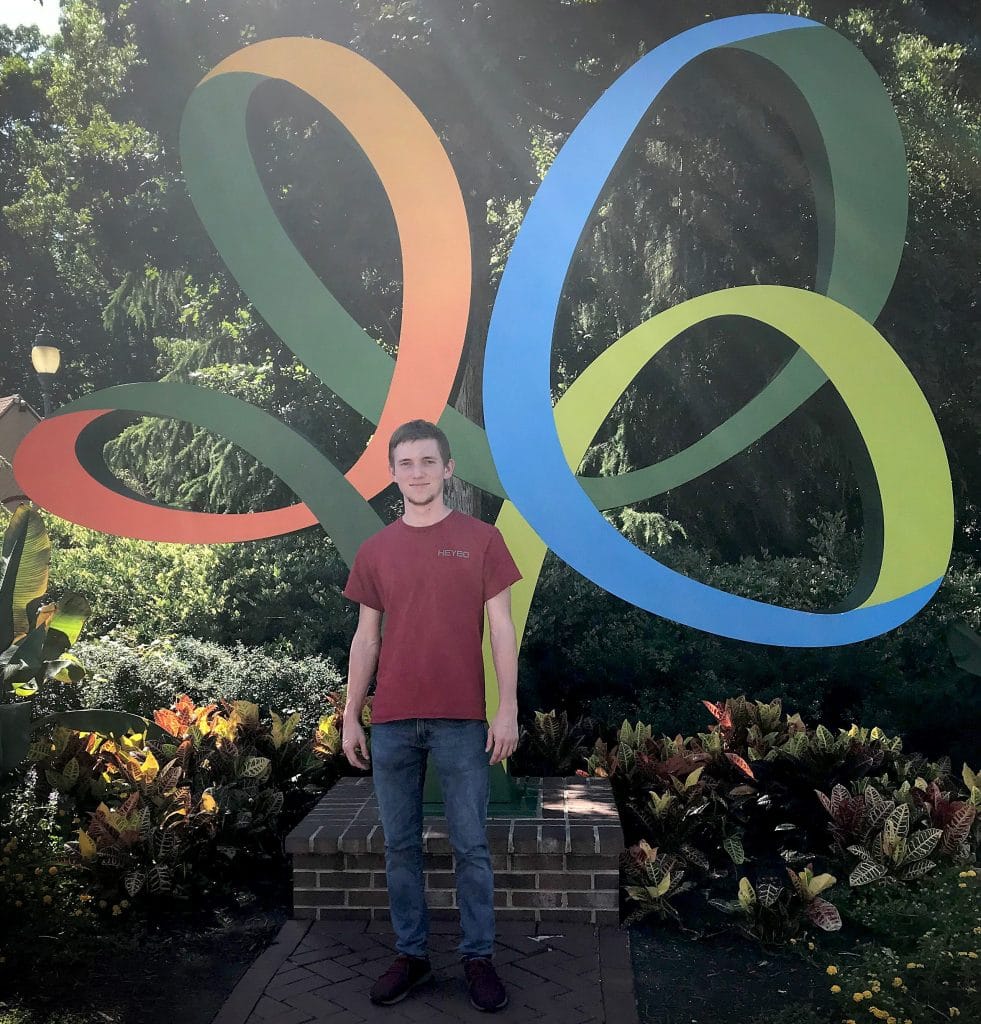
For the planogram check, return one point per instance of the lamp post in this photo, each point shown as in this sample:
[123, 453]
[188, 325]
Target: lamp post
[46, 359]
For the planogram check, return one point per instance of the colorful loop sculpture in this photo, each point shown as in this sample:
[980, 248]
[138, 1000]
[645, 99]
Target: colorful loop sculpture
[845, 125]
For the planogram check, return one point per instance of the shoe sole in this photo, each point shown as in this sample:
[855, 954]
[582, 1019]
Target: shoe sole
[399, 998]
[489, 1009]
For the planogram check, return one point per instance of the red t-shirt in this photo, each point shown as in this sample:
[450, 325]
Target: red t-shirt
[431, 582]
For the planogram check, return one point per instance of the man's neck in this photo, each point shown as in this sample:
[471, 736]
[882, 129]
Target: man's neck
[425, 515]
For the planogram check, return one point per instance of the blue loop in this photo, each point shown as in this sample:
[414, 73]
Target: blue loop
[517, 388]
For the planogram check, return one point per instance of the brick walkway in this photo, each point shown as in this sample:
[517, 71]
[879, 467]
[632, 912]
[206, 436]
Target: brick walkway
[322, 970]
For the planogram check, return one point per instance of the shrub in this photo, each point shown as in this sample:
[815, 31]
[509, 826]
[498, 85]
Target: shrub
[167, 816]
[923, 958]
[142, 677]
[750, 789]
[588, 652]
[283, 590]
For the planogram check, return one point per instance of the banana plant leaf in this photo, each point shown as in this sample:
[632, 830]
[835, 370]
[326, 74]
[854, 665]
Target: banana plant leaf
[102, 720]
[965, 646]
[64, 621]
[24, 561]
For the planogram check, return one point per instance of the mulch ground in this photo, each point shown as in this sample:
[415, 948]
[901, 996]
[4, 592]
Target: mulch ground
[718, 980]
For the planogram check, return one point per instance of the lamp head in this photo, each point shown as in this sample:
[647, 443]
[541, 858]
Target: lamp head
[46, 358]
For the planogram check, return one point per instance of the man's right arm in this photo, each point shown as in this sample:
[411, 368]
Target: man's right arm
[362, 663]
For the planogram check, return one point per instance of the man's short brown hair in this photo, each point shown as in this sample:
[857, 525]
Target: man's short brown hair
[419, 430]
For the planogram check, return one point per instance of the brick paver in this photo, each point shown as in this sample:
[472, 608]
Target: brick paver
[321, 971]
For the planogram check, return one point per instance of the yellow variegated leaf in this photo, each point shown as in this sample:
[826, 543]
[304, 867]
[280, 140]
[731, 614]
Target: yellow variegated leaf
[278, 732]
[747, 894]
[649, 852]
[150, 767]
[208, 803]
[819, 883]
[245, 712]
[86, 845]
[662, 887]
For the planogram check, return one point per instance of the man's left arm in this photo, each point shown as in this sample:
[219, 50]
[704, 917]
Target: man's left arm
[502, 735]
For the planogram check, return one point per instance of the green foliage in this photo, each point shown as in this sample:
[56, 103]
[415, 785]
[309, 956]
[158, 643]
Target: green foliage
[925, 935]
[880, 831]
[652, 882]
[143, 677]
[166, 816]
[34, 638]
[774, 912]
[284, 590]
[906, 680]
[743, 793]
[34, 880]
[552, 745]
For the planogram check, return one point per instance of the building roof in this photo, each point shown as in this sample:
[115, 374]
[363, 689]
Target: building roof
[15, 400]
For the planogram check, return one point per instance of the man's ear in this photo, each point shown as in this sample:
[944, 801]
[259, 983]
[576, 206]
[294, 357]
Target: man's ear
[448, 469]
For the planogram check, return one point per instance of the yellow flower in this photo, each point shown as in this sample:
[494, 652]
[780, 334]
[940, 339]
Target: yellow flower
[116, 910]
[891, 1020]
[52, 870]
[954, 1012]
[810, 945]
[876, 987]
[858, 996]
[836, 989]
[962, 885]
[124, 903]
[47, 900]
[37, 871]
[897, 982]
[866, 994]
[832, 969]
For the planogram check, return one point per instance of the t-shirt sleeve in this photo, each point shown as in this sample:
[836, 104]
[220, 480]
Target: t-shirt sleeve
[361, 585]
[499, 568]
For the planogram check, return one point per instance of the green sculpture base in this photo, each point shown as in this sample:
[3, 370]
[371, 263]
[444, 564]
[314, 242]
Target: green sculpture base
[509, 797]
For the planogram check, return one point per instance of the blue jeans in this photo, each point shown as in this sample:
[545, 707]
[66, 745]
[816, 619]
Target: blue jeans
[399, 751]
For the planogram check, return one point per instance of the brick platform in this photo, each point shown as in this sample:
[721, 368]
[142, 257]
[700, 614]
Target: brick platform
[559, 865]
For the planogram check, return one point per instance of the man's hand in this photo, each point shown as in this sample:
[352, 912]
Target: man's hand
[502, 735]
[354, 743]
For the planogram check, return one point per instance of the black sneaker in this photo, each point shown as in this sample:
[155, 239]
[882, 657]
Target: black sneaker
[486, 989]
[398, 981]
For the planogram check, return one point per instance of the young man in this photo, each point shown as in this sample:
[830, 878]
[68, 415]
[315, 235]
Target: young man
[432, 574]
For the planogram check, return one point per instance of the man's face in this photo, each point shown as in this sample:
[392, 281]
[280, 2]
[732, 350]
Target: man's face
[419, 471]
